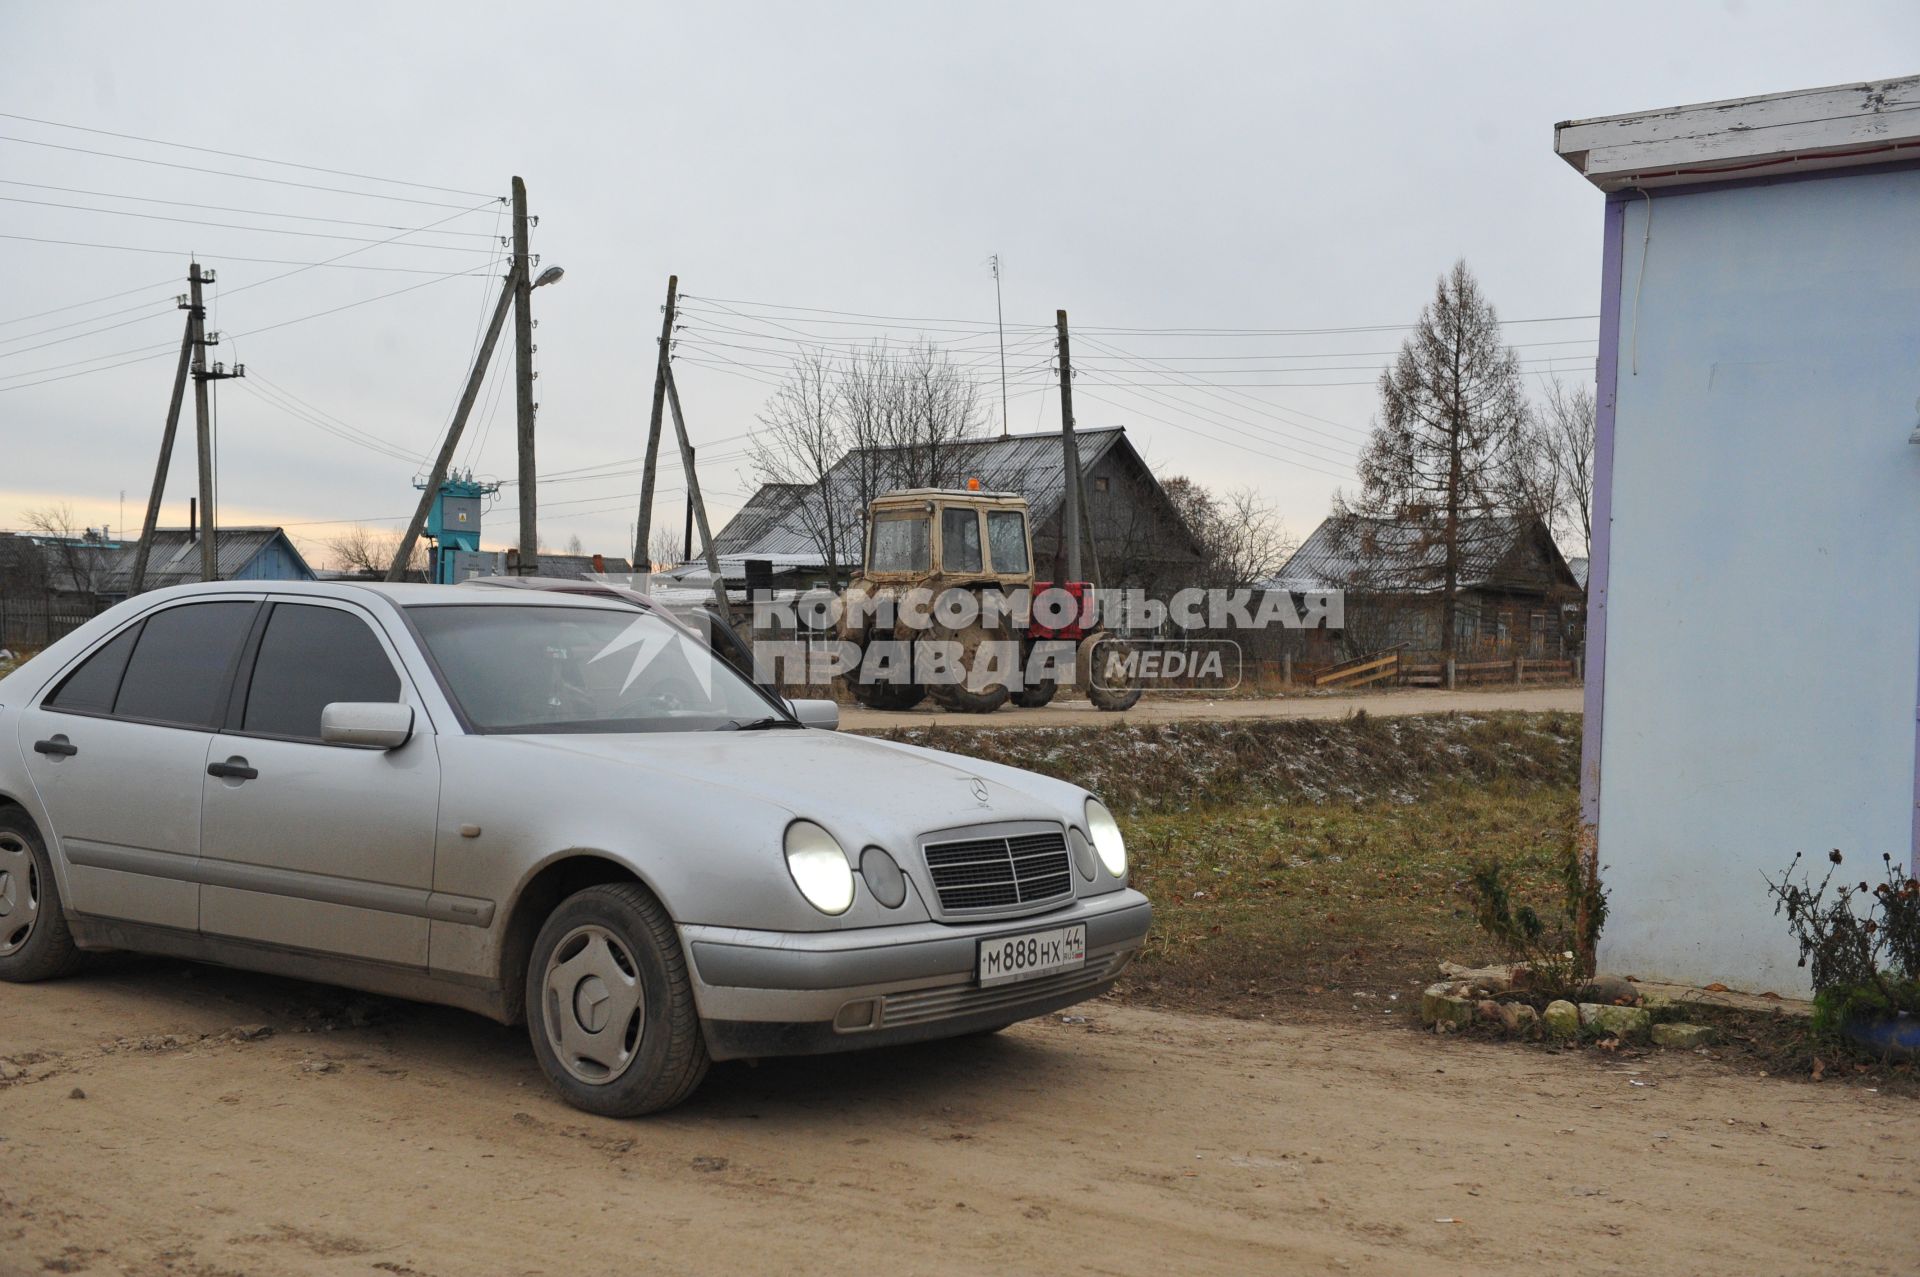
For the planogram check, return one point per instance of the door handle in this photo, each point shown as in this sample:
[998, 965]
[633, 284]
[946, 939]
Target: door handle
[233, 770]
[59, 747]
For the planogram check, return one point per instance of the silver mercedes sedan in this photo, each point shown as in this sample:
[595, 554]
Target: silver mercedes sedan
[554, 808]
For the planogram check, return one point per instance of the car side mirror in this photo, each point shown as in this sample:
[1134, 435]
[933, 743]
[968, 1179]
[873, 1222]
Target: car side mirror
[821, 713]
[367, 724]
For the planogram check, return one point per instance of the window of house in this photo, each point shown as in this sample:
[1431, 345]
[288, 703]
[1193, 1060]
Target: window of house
[1100, 484]
[960, 540]
[310, 658]
[179, 669]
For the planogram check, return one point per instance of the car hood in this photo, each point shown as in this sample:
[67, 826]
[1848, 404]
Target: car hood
[861, 789]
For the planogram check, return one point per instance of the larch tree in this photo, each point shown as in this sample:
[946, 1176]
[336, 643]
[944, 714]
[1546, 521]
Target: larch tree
[1440, 459]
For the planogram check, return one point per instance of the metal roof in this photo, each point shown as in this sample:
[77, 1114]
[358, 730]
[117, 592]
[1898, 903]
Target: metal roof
[1408, 555]
[175, 557]
[779, 519]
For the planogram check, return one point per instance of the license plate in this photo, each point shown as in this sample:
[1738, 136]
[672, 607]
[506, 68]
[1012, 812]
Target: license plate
[1006, 959]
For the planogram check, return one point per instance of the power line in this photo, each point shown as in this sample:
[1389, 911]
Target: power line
[1228, 442]
[231, 226]
[137, 319]
[1185, 330]
[236, 155]
[355, 252]
[140, 357]
[244, 177]
[227, 208]
[144, 288]
[1319, 354]
[228, 257]
[169, 303]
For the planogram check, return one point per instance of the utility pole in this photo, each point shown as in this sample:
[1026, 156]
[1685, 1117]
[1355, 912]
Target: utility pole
[203, 431]
[643, 532]
[202, 373]
[1070, 454]
[144, 549]
[694, 500]
[686, 554]
[508, 293]
[1000, 321]
[523, 382]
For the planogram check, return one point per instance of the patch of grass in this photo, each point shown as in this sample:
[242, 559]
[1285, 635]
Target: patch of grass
[1173, 768]
[1256, 904]
[1291, 859]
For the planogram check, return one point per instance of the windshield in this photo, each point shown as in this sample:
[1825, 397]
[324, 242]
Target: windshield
[579, 669]
[1007, 539]
[901, 544]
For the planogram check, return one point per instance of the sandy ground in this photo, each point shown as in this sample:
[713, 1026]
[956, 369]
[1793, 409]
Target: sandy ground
[411, 1140]
[1168, 708]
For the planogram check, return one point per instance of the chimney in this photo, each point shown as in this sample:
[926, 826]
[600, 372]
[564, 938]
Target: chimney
[193, 518]
[599, 563]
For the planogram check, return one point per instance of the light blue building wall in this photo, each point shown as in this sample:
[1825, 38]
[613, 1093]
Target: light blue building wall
[1758, 574]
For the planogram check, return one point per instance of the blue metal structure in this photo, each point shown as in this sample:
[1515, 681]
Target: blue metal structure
[453, 521]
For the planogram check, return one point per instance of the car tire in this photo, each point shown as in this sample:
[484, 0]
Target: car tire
[610, 1004]
[35, 942]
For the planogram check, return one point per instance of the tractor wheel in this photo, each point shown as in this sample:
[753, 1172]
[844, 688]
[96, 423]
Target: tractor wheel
[973, 694]
[1110, 684]
[887, 696]
[1034, 695]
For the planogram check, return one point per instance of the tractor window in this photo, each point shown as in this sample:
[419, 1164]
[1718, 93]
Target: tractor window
[1007, 539]
[960, 539]
[900, 544]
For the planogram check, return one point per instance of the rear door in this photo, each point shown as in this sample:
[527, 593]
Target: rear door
[118, 750]
[324, 847]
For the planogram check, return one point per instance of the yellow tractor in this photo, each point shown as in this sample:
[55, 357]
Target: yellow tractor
[933, 551]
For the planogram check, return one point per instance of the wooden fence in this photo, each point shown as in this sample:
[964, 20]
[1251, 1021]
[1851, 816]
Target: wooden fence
[31, 624]
[1395, 667]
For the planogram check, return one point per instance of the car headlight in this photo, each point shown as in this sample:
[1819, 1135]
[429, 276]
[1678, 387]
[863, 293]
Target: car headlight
[819, 867]
[1106, 838]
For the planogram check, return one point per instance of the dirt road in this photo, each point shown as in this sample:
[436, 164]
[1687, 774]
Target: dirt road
[410, 1140]
[1193, 709]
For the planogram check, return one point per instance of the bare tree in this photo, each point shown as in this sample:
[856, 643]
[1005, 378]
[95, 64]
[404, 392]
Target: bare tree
[843, 432]
[803, 434]
[664, 548]
[362, 551]
[573, 545]
[1562, 435]
[1441, 456]
[75, 557]
[1241, 538]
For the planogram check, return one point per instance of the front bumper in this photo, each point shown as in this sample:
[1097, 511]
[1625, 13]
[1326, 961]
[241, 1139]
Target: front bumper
[764, 993]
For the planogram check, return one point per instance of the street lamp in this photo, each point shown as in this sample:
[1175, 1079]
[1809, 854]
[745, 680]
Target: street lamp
[551, 275]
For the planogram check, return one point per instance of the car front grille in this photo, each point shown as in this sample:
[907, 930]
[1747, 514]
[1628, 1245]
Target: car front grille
[950, 1002]
[974, 875]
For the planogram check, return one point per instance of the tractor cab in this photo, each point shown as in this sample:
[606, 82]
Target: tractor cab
[939, 536]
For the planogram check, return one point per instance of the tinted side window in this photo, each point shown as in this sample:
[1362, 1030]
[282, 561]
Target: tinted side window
[960, 540]
[91, 688]
[178, 673]
[311, 657]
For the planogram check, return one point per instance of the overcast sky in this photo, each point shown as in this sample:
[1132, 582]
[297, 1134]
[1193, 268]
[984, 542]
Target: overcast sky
[1159, 168]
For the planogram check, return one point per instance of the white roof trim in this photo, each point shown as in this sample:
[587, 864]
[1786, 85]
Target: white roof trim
[1840, 126]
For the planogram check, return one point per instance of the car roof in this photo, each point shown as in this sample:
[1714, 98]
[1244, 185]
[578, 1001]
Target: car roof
[403, 593]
